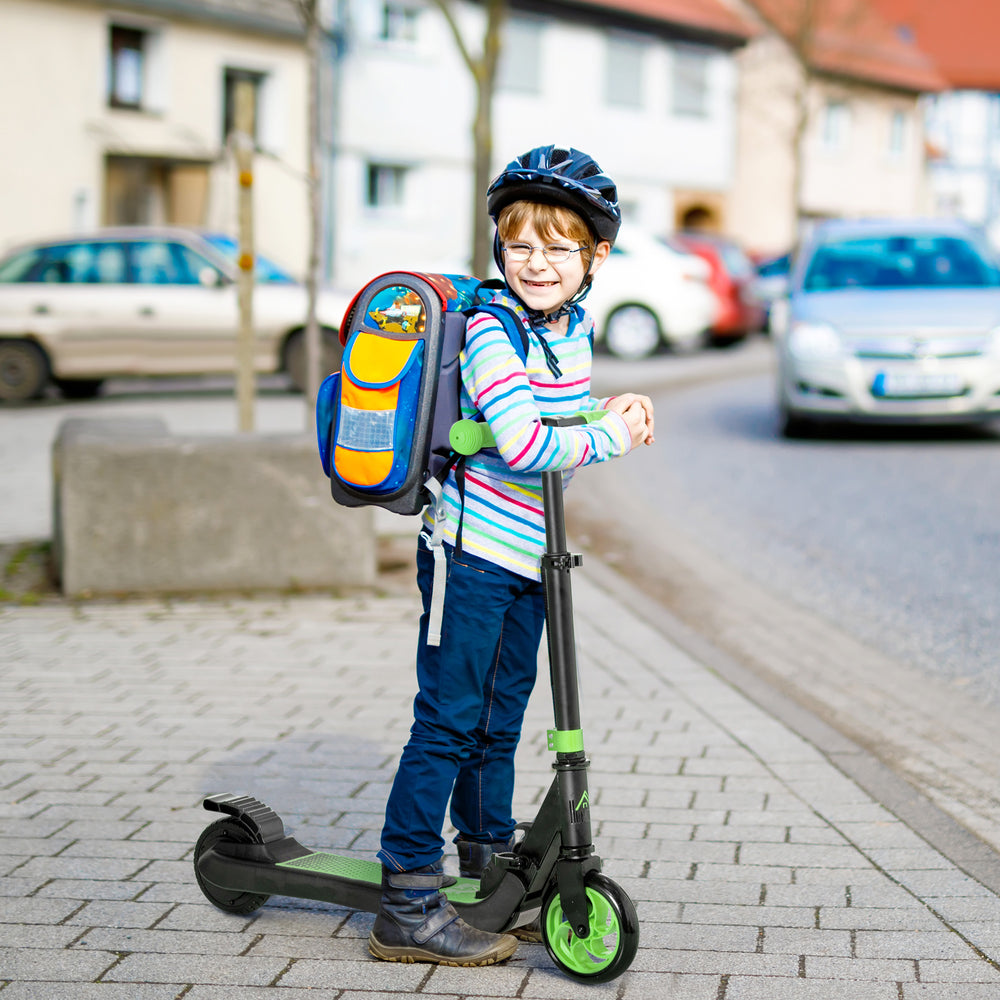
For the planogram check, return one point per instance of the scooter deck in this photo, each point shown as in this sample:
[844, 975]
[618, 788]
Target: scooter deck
[464, 890]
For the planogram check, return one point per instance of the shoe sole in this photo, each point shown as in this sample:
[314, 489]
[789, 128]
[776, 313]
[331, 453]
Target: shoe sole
[530, 935]
[499, 953]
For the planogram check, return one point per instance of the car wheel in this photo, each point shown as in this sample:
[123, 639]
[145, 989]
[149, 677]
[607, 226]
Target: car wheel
[79, 388]
[793, 424]
[632, 332]
[24, 371]
[294, 356]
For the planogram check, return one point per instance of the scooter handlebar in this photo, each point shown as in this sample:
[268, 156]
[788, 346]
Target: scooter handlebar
[469, 436]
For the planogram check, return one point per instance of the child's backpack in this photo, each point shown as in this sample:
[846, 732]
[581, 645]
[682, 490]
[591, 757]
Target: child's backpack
[383, 420]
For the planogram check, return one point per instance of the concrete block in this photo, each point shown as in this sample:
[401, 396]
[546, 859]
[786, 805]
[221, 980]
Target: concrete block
[139, 510]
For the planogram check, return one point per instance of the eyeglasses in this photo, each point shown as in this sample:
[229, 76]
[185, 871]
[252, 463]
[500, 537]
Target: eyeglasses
[554, 253]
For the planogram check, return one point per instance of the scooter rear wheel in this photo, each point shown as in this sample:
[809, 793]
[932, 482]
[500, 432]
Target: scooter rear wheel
[612, 937]
[230, 901]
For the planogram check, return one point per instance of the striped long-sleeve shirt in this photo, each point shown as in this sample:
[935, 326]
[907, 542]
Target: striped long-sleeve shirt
[503, 520]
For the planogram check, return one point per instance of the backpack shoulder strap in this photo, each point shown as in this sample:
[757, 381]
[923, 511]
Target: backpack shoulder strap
[511, 323]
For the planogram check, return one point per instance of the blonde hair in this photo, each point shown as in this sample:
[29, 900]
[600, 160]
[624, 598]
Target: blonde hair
[551, 222]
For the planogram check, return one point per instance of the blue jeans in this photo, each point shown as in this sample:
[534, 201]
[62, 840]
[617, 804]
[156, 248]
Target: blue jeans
[467, 715]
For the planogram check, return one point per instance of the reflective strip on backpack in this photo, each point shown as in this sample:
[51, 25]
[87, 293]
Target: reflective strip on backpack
[435, 613]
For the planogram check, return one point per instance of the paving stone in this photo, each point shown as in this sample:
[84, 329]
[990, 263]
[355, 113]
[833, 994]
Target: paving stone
[53, 965]
[90, 991]
[642, 986]
[911, 944]
[505, 980]
[356, 975]
[913, 917]
[37, 911]
[948, 991]
[873, 970]
[769, 988]
[714, 962]
[205, 969]
[36, 936]
[958, 971]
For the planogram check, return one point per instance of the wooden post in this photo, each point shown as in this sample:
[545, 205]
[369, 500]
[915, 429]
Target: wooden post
[245, 348]
[314, 347]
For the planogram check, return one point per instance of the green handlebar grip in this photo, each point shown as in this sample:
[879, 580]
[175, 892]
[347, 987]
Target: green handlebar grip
[469, 436]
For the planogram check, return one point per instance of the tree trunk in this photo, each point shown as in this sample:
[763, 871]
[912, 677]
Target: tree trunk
[483, 69]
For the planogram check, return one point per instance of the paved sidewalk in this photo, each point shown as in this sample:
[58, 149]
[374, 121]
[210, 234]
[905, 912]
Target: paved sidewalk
[759, 870]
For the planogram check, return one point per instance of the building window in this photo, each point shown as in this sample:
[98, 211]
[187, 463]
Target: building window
[690, 80]
[520, 69]
[126, 67]
[897, 135]
[385, 185]
[398, 23]
[836, 126]
[231, 78]
[623, 72]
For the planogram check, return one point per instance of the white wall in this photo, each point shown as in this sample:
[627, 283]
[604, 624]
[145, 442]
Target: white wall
[964, 128]
[413, 105]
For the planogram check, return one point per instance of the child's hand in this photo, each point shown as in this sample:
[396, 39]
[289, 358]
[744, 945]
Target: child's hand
[640, 417]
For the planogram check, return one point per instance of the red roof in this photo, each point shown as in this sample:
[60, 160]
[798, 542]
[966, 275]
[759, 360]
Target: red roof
[962, 36]
[706, 15]
[850, 38]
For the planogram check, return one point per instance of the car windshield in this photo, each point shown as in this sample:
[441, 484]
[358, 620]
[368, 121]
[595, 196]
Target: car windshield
[914, 261]
[266, 270]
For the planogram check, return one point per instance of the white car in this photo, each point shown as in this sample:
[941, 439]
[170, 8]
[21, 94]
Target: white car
[648, 293]
[891, 321]
[144, 301]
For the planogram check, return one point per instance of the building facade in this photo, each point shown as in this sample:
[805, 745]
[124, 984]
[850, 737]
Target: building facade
[830, 121]
[652, 98]
[963, 121]
[123, 112]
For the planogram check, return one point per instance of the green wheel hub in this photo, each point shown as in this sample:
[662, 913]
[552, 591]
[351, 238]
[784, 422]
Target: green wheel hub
[612, 937]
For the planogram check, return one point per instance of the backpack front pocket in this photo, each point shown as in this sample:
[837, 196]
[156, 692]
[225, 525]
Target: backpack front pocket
[379, 394]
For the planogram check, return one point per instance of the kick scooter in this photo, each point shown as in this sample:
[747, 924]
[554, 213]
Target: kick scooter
[588, 922]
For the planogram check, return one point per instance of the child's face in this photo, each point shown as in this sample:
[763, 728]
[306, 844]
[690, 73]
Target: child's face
[540, 284]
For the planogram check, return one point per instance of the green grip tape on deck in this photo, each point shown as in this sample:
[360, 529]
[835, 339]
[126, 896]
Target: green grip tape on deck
[566, 740]
[469, 436]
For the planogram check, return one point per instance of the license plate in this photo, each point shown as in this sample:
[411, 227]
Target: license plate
[895, 385]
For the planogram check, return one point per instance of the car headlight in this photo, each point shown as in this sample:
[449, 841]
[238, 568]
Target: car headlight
[814, 342]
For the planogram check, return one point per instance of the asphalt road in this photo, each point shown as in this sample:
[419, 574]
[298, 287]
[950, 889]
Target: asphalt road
[852, 576]
[892, 535]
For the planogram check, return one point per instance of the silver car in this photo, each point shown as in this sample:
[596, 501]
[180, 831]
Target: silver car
[144, 301]
[889, 321]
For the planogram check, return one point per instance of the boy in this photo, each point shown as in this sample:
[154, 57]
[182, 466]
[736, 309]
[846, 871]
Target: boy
[557, 216]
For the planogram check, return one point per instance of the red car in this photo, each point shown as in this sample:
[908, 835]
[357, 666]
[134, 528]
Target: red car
[732, 280]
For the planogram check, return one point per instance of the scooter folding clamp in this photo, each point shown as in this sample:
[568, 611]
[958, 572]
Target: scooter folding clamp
[563, 561]
[498, 866]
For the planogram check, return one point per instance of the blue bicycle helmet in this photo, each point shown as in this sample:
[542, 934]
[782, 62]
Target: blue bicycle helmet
[558, 176]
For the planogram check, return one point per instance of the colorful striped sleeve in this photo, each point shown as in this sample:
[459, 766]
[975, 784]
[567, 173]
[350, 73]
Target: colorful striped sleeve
[513, 397]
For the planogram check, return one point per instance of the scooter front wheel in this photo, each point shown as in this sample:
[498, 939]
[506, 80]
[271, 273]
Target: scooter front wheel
[612, 937]
[232, 901]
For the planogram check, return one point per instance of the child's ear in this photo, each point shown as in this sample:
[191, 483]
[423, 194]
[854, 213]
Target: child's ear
[601, 252]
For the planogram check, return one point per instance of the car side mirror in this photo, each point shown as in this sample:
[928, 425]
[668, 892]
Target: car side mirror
[208, 277]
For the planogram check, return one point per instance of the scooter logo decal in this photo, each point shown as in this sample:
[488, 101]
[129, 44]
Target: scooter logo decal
[581, 807]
